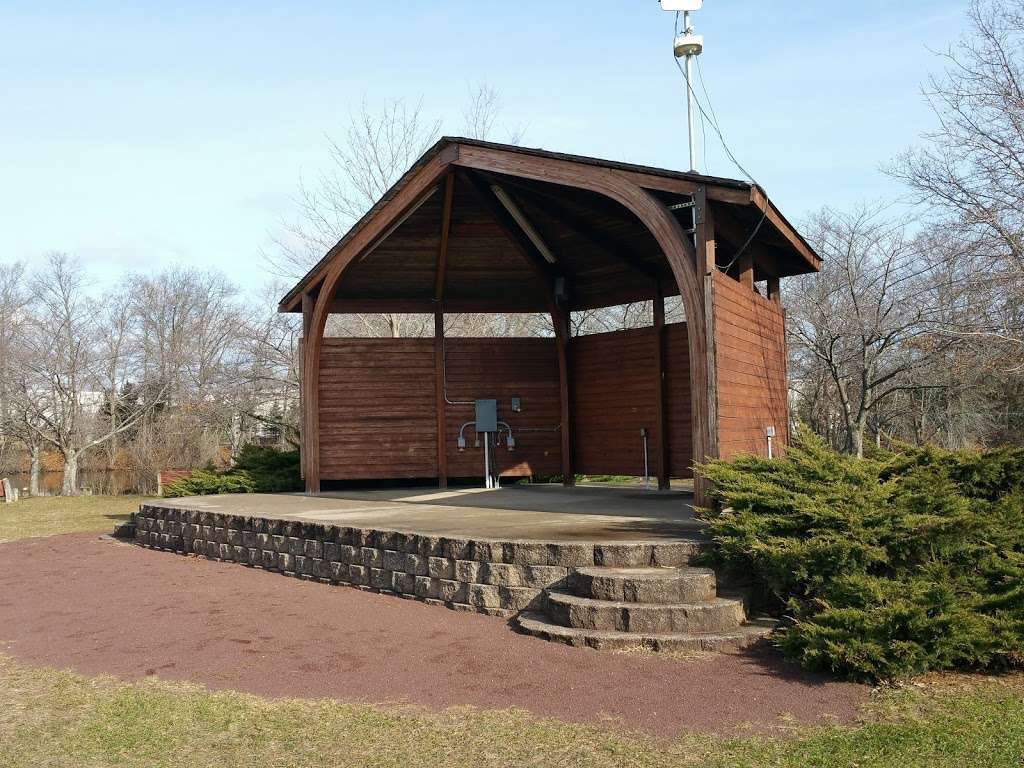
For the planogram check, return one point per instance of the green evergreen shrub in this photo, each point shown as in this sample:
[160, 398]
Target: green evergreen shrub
[257, 470]
[897, 563]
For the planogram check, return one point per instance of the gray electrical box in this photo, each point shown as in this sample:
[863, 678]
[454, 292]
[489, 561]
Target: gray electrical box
[486, 415]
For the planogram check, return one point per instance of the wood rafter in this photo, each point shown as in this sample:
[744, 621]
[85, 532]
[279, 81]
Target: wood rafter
[607, 246]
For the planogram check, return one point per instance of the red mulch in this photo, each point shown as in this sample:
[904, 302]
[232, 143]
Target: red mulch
[100, 607]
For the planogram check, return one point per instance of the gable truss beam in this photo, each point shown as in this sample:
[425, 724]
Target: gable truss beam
[612, 248]
[487, 197]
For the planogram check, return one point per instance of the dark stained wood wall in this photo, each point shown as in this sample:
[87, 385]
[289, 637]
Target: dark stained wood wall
[750, 349]
[377, 417]
[614, 385]
[503, 369]
[377, 406]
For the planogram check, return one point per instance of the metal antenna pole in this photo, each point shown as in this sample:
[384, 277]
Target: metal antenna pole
[688, 30]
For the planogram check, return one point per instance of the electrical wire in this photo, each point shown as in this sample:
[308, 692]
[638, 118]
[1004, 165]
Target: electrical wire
[713, 120]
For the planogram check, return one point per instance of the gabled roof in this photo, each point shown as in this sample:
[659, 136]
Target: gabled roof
[727, 191]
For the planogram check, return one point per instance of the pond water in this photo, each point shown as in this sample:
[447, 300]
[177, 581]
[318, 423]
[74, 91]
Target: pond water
[95, 481]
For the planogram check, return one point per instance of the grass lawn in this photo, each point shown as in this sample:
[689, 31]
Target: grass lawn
[56, 718]
[48, 515]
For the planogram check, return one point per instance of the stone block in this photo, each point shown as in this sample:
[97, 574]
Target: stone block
[440, 568]
[381, 579]
[675, 554]
[486, 551]
[454, 549]
[404, 584]
[331, 551]
[533, 576]
[269, 559]
[372, 558]
[357, 574]
[425, 586]
[280, 543]
[301, 565]
[467, 571]
[220, 535]
[567, 555]
[263, 541]
[313, 548]
[296, 545]
[248, 539]
[255, 557]
[212, 549]
[240, 554]
[505, 598]
[225, 551]
[453, 591]
[415, 565]
[428, 546]
[234, 537]
[285, 562]
[338, 572]
[349, 554]
[625, 555]
[394, 561]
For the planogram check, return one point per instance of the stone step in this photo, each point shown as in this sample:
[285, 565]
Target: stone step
[715, 615]
[744, 636]
[646, 585]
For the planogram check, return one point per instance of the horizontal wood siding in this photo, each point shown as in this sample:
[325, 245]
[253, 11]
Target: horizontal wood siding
[750, 353]
[612, 380]
[377, 417]
[503, 369]
[677, 400]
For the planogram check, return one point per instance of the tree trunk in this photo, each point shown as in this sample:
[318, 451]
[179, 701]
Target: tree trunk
[69, 487]
[858, 434]
[35, 460]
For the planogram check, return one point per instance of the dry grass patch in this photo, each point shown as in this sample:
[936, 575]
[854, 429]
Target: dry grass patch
[49, 515]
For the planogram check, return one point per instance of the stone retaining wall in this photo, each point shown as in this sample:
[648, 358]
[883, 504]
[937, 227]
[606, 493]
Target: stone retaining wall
[498, 578]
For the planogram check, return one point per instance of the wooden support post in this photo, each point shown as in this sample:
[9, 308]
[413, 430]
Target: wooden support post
[560, 319]
[773, 290]
[708, 267]
[304, 417]
[661, 447]
[746, 266]
[440, 402]
[442, 411]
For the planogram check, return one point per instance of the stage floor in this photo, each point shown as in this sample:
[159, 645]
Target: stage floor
[519, 512]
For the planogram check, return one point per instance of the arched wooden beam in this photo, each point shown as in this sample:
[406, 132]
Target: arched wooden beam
[665, 228]
[404, 197]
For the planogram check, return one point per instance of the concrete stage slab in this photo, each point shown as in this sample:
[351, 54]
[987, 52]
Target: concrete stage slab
[537, 512]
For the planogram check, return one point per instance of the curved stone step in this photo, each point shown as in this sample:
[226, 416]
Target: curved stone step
[742, 637]
[715, 615]
[646, 585]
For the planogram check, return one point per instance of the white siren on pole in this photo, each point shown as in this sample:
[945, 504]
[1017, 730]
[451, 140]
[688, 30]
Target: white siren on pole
[681, 5]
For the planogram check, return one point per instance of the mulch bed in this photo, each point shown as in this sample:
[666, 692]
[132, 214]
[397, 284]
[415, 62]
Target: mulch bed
[101, 607]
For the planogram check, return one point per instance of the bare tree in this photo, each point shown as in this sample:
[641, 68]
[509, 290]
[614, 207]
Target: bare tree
[60, 368]
[970, 169]
[863, 329]
[371, 154]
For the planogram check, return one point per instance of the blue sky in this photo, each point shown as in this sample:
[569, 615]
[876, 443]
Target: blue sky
[138, 135]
